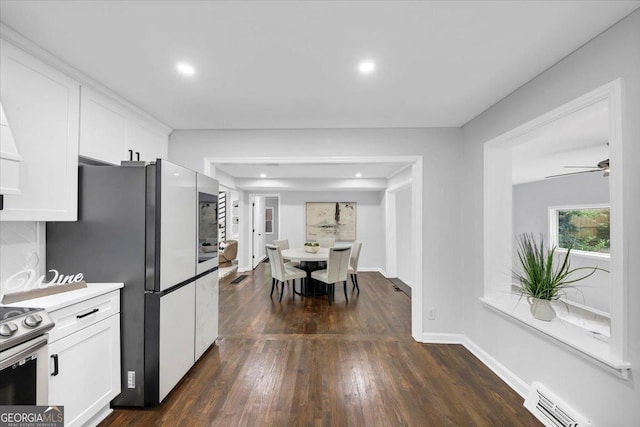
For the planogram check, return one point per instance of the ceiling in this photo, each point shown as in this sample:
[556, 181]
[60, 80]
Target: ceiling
[579, 139]
[293, 64]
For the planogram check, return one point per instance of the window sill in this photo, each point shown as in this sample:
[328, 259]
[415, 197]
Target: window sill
[585, 254]
[589, 345]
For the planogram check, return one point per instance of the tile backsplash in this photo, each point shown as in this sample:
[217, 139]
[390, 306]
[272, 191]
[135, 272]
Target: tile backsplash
[22, 246]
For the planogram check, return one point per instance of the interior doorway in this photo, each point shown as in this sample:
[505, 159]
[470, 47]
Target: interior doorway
[401, 262]
[258, 230]
[415, 248]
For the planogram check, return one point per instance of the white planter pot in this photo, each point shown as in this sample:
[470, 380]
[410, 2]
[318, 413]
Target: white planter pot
[541, 309]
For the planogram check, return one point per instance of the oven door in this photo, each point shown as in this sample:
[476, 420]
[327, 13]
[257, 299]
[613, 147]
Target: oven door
[24, 373]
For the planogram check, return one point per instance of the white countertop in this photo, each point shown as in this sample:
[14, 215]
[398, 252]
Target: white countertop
[65, 299]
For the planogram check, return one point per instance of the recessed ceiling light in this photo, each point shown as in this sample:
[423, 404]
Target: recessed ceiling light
[185, 68]
[358, 175]
[367, 67]
[263, 175]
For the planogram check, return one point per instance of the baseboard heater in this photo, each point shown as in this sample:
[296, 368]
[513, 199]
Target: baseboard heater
[552, 411]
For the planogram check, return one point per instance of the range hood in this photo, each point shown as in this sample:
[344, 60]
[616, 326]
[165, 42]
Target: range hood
[9, 159]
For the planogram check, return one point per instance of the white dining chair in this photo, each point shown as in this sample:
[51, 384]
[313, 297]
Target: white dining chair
[353, 264]
[327, 242]
[335, 272]
[281, 273]
[284, 244]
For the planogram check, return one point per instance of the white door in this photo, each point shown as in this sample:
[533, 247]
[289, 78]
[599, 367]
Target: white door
[258, 230]
[206, 312]
[178, 213]
[177, 336]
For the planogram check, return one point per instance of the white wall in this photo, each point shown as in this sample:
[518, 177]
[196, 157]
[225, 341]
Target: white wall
[531, 202]
[404, 236]
[21, 248]
[606, 399]
[440, 148]
[369, 222]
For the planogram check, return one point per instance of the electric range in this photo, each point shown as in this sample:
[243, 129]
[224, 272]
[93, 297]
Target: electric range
[20, 324]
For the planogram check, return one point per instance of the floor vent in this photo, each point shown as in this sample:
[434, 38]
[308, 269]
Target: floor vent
[552, 411]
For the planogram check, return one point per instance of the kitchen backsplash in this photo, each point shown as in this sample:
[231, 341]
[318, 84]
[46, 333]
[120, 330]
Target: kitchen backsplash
[22, 247]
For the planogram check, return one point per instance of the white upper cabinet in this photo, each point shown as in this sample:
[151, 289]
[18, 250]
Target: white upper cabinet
[42, 107]
[111, 132]
[103, 128]
[145, 144]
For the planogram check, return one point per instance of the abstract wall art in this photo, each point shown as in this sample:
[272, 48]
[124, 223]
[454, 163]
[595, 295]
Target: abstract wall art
[331, 219]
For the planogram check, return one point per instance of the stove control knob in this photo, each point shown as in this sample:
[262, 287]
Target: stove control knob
[8, 329]
[32, 320]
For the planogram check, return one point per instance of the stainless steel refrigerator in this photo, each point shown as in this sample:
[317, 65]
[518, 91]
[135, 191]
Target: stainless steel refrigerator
[154, 228]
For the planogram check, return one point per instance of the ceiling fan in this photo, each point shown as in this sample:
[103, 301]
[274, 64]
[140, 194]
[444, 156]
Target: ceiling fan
[602, 166]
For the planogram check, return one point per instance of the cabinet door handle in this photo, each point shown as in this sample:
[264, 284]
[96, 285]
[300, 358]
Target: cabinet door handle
[55, 365]
[130, 155]
[137, 155]
[80, 316]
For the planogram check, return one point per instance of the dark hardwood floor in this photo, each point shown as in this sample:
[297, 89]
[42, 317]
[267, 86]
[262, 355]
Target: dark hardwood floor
[305, 363]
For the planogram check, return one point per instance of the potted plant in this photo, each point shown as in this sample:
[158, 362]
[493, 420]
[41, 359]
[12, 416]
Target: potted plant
[543, 276]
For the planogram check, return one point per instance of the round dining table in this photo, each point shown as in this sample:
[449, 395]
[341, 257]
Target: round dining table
[299, 255]
[309, 262]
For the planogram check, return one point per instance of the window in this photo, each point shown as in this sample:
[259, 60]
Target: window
[581, 228]
[222, 216]
[268, 220]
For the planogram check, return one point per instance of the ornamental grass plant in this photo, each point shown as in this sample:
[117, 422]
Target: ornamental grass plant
[543, 273]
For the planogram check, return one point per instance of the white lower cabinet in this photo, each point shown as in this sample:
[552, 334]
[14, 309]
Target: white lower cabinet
[84, 360]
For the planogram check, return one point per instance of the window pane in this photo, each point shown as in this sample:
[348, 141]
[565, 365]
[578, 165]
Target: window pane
[584, 229]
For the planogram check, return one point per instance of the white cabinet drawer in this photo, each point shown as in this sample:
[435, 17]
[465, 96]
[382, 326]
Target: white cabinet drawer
[79, 316]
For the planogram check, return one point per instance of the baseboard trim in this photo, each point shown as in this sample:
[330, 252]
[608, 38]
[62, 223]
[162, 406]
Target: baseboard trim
[399, 284]
[373, 269]
[438, 338]
[511, 379]
[498, 368]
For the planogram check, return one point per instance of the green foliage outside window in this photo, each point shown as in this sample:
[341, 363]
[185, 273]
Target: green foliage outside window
[584, 229]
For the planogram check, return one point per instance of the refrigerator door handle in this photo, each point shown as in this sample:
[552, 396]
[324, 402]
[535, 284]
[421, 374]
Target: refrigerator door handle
[130, 155]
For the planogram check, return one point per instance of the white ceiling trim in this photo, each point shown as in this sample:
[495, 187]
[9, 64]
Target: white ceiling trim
[319, 184]
[210, 162]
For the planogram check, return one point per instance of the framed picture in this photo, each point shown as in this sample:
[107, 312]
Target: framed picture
[331, 219]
